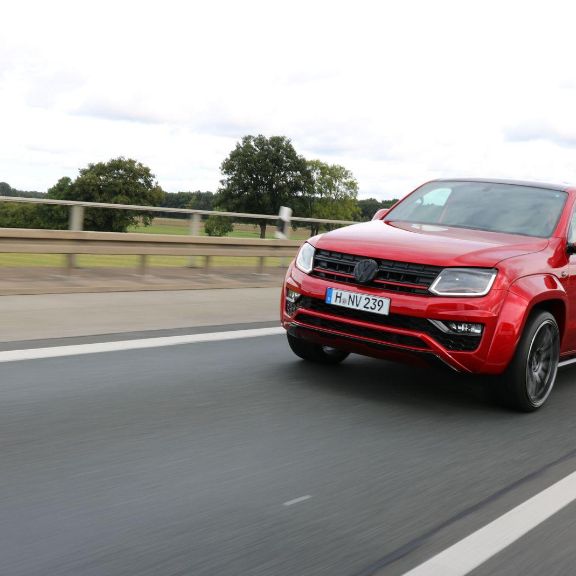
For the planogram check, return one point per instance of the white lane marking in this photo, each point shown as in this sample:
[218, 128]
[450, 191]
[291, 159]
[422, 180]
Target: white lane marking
[566, 362]
[469, 553]
[297, 500]
[98, 348]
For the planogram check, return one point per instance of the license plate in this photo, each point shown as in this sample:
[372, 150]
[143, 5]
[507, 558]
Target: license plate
[358, 301]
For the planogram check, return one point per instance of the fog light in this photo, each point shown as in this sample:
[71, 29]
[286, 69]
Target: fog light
[465, 328]
[461, 328]
[291, 302]
[292, 296]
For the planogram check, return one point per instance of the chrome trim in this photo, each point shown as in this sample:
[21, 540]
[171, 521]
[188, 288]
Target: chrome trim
[441, 326]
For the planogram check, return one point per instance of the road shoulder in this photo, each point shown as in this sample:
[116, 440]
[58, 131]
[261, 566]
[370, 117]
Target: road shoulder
[63, 316]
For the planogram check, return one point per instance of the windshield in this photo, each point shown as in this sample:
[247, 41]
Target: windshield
[494, 207]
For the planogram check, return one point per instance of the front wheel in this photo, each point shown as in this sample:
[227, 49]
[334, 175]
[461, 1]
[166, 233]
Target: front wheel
[315, 352]
[530, 377]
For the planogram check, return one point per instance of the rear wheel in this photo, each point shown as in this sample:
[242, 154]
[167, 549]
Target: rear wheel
[315, 352]
[530, 377]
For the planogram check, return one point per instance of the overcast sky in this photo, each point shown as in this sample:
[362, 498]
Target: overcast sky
[396, 91]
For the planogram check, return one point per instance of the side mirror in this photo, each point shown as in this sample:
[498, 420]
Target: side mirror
[380, 214]
[571, 248]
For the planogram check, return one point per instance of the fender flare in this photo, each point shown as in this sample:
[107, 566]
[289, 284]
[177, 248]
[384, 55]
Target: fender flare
[539, 288]
[523, 296]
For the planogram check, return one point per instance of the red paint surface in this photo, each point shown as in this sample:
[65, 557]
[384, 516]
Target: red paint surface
[531, 272]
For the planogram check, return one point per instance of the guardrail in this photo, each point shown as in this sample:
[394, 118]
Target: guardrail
[76, 211]
[76, 241]
[31, 241]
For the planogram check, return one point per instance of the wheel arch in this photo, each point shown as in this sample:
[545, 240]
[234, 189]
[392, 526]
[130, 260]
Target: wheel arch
[530, 293]
[543, 292]
[557, 308]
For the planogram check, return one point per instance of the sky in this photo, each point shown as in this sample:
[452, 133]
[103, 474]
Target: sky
[398, 92]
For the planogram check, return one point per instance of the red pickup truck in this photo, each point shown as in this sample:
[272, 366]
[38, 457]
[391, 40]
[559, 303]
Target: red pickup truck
[474, 274]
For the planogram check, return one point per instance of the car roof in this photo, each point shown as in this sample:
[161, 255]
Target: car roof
[547, 185]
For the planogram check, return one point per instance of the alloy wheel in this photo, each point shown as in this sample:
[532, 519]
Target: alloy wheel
[542, 363]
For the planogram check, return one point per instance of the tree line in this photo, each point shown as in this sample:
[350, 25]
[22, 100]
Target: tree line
[258, 176]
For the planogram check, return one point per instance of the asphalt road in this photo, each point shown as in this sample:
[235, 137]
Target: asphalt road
[235, 458]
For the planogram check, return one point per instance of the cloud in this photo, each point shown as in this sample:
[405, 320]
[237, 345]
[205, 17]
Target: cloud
[118, 112]
[532, 131]
[395, 98]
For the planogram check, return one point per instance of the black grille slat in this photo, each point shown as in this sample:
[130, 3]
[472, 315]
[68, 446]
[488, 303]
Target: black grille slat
[453, 342]
[330, 265]
[389, 337]
[392, 320]
[387, 287]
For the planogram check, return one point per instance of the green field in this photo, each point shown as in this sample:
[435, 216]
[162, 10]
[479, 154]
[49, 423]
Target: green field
[181, 227]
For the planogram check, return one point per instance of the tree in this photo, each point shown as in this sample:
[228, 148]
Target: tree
[14, 215]
[7, 190]
[18, 215]
[202, 200]
[260, 175]
[369, 206]
[199, 200]
[118, 181]
[332, 194]
[56, 217]
[388, 203]
[176, 200]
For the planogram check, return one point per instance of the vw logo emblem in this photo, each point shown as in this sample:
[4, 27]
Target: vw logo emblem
[365, 271]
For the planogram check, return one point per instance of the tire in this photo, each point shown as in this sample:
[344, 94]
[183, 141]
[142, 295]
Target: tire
[315, 352]
[529, 379]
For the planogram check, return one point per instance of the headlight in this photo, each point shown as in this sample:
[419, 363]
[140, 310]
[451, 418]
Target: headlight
[305, 258]
[464, 282]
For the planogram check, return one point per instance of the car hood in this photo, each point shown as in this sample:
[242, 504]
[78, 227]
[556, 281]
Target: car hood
[428, 244]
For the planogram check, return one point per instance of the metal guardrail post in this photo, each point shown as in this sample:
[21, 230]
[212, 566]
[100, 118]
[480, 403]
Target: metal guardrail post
[207, 263]
[143, 264]
[283, 230]
[261, 264]
[283, 224]
[75, 223]
[195, 223]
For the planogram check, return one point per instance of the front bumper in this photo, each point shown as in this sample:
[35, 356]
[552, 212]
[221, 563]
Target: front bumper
[406, 333]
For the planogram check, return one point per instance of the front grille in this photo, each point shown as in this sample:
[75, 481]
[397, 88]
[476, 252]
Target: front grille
[362, 331]
[392, 275]
[453, 342]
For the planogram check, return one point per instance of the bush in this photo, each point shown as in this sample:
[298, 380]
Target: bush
[218, 226]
